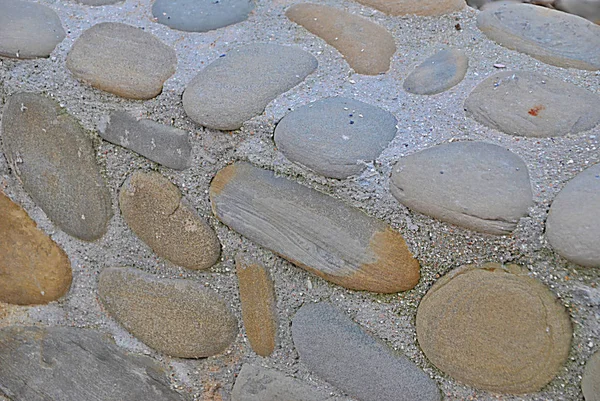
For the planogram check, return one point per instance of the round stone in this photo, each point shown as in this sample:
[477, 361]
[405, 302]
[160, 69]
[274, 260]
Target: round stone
[201, 15]
[438, 73]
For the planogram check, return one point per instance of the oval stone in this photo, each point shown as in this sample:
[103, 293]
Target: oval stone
[335, 137]
[312, 230]
[201, 15]
[33, 268]
[551, 36]
[154, 209]
[493, 327]
[56, 162]
[590, 383]
[366, 46]
[475, 185]
[530, 104]
[416, 7]
[239, 85]
[573, 225]
[438, 73]
[28, 29]
[179, 318]
[122, 59]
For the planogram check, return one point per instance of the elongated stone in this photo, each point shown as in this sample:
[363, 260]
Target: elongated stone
[438, 73]
[416, 7]
[201, 15]
[312, 230]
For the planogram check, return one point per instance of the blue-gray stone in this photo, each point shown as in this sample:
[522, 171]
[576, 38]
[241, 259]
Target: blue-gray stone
[438, 73]
[201, 15]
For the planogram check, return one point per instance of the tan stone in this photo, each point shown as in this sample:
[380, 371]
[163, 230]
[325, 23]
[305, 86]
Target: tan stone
[590, 383]
[416, 7]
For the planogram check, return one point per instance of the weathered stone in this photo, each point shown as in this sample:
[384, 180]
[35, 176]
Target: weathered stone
[416, 7]
[335, 136]
[366, 46]
[63, 363]
[180, 318]
[33, 268]
[590, 383]
[475, 185]
[201, 15]
[438, 73]
[312, 230]
[494, 328]
[257, 296]
[531, 104]
[156, 212]
[28, 29]
[122, 59]
[550, 36]
[573, 226]
[160, 143]
[338, 350]
[55, 161]
[239, 85]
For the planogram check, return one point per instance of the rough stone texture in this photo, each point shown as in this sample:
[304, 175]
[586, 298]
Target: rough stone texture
[312, 230]
[69, 364]
[54, 159]
[259, 308]
[366, 46]
[337, 349]
[160, 143]
[335, 137]
[494, 328]
[590, 383]
[122, 59]
[438, 73]
[33, 269]
[201, 15]
[180, 318]
[550, 36]
[531, 104]
[238, 86]
[154, 209]
[28, 30]
[476, 185]
[416, 7]
[573, 225]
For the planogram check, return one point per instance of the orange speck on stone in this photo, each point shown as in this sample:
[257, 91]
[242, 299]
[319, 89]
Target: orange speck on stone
[535, 110]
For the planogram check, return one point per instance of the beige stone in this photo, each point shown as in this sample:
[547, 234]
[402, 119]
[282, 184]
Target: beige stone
[416, 7]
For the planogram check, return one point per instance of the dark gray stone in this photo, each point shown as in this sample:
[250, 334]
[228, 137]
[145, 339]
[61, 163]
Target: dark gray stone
[160, 143]
[341, 352]
[201, 15]
[438, 73]
[335, 136]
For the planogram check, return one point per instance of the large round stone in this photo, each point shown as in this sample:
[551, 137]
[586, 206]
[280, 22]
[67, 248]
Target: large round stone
[201, 15]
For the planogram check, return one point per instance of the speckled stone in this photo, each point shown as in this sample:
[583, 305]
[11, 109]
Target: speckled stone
[201, 15]
[416, 7]
[438, 73]
[180, 318]
[590, 383]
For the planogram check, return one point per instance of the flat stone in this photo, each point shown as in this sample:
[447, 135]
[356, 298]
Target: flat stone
[201, 15]
[590, 383]
[573, 225]
[259, 308]
[366, 46]
[312, 230]
[239, 85]
[56, 162]
[588, 9]
[156, 212]
[551, 36]
[530, 104]
[69, 364]
[493, 327]
[180, 318]
[341, 352]
[33, 268]
[416, 7]
[476, 185]
[28, 30]
[438, 73]
[336, 136]
[160, 143]
[122, 59]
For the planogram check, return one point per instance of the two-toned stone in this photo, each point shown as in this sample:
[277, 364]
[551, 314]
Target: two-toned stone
[438, 73]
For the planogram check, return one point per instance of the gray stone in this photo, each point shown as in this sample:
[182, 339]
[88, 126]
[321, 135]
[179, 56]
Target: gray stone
[201, 15]
[312, 230]
[335, 137]
[550, 36]
[588, 9]
[531, 104]
[96, 3]
[590, 383]
[341, 352]
[475, 185]
[28, 29]
[573, 226]
[55, 161]
[69, 364]
[438, 73]
[160, 143]
[238, 86]
[122, 59]
[180, 318]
